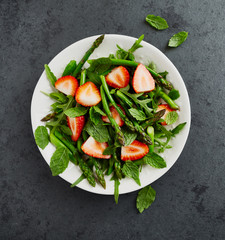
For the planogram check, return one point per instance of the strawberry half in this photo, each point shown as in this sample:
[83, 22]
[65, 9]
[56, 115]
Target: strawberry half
[134, 151]
[76, 125]
[143, 80]
[95, 149]
[115, 115]
[88, 95]
[119, 77]
[167, 108]
[67, 85]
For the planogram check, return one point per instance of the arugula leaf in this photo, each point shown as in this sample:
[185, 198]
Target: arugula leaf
[157, 22]
[99, 131]
[129, 136]
[98, 110]
[174, 94]
[171, 117]
[116, 187]
[59, 161]
[66, 130]
[177, 39]
[131, 170]
[154, 160]
[136, 44]
[51, 77]
[178, 128]
[70, 67]
[60, 97]
[145, 198]
[41, 137]
[137, 114]
[76, 111]
[141, 103]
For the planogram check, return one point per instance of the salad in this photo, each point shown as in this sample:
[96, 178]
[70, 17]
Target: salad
[110, 118]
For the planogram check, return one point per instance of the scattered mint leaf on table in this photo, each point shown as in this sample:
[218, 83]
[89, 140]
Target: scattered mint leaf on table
[177, 39]
[145, 198]
[41, 137]
[157, 22]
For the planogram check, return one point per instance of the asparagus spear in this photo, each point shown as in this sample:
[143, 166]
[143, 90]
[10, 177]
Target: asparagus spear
[99, 172]
[118, 109]
[96, 43]
[83, 77]
[150, 131]
[155, 118]
[111, 119]
[167, 99]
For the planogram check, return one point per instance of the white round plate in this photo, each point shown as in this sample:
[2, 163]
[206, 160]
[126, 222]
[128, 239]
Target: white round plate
[40, 106]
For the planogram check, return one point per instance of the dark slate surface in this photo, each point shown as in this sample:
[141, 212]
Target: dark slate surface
[190, 200]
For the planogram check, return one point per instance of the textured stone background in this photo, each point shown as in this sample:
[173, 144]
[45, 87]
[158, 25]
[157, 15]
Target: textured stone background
[190, 200]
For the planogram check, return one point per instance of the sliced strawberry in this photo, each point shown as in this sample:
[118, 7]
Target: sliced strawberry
[167, 108]
[88, 95]
[95, 149]
[119, 77]
[134, 151]
[143, 80]
[115, 115]
[76, 125]
[67, 85]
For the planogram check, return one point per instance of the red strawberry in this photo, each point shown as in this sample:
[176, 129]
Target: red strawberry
[119, 77]
[134, 151]
[67, 85]
[167, 108]
[76, 125]
[143, 80]
[95, 149]
[88, 95]
[115, 115]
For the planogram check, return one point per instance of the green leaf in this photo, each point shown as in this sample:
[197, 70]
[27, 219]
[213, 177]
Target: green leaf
[94, 77]
[178, 128]
[76, 111]
[136, 44]
[152, 65]
[99, 132]
[51, 77]
[71, 66]
[81, 178]
[145, 198]
[59, 161]
[177, 39]
[41, 137]
[174, 94]
[171, 117]
[60, 97]
[154, 160]
[131, 170]
[157, 22]
[98, 110]
[164, 74]
[109, 150]
[129, 136]
[137, 114]
[95, 116]
[100, 65]
[66, 130]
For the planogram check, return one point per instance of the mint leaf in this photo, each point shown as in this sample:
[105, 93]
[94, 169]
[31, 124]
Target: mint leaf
[154, 160]
[98, 110]
[178, 128]
[41, 137]
[100, 65]
[174, 94]
[51, 77]
[95, 116]
[145, 198]
[99, 132]
[137, 114]
[59, 161]
[129, 136]
[171, 117]
[177, 39]
[76, 112]
[157, 22]
[109, 150]
[131, 170]
[66, 130]
[152, 65]
[70, 67]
